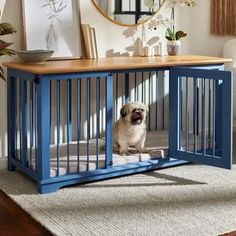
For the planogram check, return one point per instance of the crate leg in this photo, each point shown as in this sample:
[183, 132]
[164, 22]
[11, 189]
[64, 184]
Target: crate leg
[43, 121]
[11, 116]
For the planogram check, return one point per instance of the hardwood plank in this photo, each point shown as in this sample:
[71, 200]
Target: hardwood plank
[15, 221]
[114, 63]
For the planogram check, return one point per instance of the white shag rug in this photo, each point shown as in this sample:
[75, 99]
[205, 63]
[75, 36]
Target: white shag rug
[185, 200]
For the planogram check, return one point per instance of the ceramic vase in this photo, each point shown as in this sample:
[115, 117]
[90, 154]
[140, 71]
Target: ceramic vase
[174, 47]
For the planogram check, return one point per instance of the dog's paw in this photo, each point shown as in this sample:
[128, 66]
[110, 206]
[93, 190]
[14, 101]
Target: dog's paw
[143, 150]
[124, 152]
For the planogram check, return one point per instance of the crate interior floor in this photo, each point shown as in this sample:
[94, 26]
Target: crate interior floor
[156, 147]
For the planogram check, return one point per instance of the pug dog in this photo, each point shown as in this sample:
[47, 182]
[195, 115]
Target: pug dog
[130, 130]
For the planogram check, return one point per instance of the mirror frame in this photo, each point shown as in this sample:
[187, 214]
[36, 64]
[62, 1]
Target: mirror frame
[123, 24]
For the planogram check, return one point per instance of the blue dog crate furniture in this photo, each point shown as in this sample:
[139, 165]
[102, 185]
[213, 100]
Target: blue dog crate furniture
[60, 115]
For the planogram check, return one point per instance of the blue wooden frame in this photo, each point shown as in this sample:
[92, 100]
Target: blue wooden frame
[48, 184]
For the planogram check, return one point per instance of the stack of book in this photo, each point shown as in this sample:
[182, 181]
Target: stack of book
[90, 43]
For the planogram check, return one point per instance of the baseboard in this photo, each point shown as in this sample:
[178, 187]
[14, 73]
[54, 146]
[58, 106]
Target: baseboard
[3, 163]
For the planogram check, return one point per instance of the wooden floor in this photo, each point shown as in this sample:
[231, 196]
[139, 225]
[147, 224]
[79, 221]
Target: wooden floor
[15, 221]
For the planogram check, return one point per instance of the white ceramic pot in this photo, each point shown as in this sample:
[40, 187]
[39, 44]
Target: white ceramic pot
[173, 47]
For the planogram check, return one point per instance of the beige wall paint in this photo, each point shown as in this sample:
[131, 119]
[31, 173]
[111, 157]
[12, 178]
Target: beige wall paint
[117, 40]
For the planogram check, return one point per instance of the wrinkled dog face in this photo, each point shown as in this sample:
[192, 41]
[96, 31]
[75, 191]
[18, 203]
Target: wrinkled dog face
[134, 112]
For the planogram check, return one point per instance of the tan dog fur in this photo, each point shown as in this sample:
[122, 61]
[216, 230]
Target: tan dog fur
[126, 133]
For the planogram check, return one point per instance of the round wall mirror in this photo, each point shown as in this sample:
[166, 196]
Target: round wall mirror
[127, 12]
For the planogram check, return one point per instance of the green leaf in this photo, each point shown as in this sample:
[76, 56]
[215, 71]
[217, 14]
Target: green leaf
[7, 52]
[168, 38]
[170, 35]
[4, 44]
[6, 28]
[2, 74]
[180, 34]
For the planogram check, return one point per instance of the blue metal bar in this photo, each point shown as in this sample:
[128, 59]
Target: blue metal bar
[198, 107]
[88, 118]
[69, 123]
[11, 124]
[209, 113]
[227, 121]
[195, 113]
[214, 120]
[43, 124]
[17, 98]
[36, 125]
[116, 102]
[50, 111]
[31, 109]
[78, 122]
[53, 184]
[137, 89]
[23, 115]
[135, 86]
[150, 100]
[187, 117]
[163, 102]
[98, 119]
[174, 127]
[180, 112]
[82, 75]
[218, 121]
[108, 132]
[127, 98]
[58, 123]
[157, 98]
[204, 116]
[142, 88]
[220, 75]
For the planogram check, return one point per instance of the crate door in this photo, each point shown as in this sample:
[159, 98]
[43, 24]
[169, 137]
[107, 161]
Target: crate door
[201, 116]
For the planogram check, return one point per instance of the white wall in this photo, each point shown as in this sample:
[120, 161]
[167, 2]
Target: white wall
[112, 39]
[13, 17]
[117, 40]
[196, 22]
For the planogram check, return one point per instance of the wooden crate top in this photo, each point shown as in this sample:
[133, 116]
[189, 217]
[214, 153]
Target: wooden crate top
[114, 63]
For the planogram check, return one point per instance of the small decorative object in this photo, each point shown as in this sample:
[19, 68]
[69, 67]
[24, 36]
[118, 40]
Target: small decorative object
[173, 37]
[35, 56]
[52, 25]
[152, 24]
[157, 49]
[5, 28]
[174, 43]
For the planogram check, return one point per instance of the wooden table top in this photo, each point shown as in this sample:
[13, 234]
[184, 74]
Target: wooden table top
[114, 63]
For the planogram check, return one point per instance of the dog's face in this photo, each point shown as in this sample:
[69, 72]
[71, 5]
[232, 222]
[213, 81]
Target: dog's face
[134, 112]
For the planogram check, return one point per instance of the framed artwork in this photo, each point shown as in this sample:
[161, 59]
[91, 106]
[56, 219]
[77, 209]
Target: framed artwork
[52, 25]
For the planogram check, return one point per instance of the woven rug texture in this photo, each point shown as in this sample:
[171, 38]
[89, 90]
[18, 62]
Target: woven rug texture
[185, 200]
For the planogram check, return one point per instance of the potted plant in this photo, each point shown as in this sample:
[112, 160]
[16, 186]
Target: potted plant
[5, 29]
[173, 37]
[173, 40]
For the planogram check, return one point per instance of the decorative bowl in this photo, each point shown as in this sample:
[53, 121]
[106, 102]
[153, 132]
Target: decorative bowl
[35, 56]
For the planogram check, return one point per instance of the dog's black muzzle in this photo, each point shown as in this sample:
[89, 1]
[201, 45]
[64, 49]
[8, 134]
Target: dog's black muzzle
[137, 118]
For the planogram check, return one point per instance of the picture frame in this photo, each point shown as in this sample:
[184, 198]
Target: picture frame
[52, 25]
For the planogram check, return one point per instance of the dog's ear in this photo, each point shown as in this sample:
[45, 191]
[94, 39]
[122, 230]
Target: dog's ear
[124, 111]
